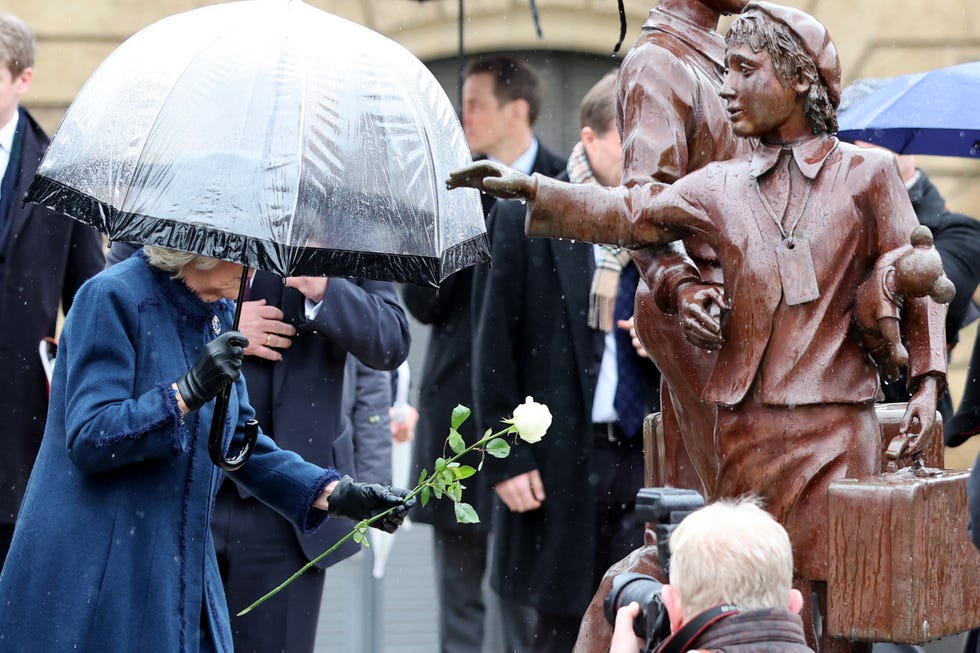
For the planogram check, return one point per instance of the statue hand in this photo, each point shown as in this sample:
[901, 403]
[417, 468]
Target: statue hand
[699, 308]
[921, 411]
[494, 179]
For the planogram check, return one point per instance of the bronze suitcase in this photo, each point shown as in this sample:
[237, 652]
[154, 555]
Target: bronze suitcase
[902, 567]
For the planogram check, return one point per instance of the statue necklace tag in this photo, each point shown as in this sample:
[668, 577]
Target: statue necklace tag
[796, 270]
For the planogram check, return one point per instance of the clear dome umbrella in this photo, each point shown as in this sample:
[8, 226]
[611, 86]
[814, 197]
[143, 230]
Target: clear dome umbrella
[271, 134]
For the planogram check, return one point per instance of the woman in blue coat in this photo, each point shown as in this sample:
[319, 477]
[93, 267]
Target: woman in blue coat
[112, 549]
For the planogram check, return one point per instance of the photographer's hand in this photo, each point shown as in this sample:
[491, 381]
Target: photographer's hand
[624, 640]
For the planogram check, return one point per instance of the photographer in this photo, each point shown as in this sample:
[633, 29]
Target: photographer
[731, 571]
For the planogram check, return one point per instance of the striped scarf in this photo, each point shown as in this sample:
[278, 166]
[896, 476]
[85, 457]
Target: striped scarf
[605, 281]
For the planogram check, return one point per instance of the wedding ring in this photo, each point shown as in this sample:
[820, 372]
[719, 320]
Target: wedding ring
[268, 339]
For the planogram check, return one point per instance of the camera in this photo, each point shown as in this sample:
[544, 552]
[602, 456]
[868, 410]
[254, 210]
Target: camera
[665, 507]
[652, 623]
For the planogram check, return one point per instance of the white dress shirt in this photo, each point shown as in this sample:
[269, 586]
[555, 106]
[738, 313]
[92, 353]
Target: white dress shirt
[7, 143]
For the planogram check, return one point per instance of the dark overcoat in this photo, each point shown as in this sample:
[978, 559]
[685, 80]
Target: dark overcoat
[113, 549]
[532, 338]
[445, 380]
[45, 259]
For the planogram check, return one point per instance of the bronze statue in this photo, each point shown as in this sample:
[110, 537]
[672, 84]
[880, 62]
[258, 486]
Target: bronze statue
[798, 225]
[914, 270]
[672, 121]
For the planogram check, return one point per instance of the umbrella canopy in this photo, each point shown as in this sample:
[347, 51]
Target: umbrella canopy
[926, 113]
[272, 134]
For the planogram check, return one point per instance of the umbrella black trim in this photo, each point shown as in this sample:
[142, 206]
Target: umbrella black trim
[257, 253]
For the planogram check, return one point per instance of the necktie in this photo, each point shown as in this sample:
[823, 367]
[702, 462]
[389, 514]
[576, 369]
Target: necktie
[628, 400]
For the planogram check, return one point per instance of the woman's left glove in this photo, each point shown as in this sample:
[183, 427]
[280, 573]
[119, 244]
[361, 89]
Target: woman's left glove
[359, 501]
[220, 362]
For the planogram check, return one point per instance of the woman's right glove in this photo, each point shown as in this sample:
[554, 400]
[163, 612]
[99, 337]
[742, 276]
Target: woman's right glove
[359, 501]
[219, 362]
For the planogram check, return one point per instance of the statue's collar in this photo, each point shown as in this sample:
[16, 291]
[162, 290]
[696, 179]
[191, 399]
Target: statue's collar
[809, 154]
[706, 42]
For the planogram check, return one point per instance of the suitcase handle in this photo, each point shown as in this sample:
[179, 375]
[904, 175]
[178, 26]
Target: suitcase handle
[898, 449]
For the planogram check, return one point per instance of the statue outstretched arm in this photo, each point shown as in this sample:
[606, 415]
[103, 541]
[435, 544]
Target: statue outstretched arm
[627, 217]
[494, 179]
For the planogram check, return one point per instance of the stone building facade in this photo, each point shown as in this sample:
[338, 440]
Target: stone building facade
[875, 39]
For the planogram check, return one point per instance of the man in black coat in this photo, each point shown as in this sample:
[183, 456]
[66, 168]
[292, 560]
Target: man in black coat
[501, 100]
[569, 499]
[44, 258]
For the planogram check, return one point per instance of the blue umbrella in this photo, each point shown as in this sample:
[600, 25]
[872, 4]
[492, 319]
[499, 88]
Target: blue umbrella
[926, 113]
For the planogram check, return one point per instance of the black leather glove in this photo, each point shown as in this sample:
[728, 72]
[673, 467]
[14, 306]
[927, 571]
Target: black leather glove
[359, 501]
[220, 362]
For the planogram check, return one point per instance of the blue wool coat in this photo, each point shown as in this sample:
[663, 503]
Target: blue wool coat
[113, 549]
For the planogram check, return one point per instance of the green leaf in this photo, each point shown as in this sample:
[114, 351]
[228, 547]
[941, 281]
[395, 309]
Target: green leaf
[498, 448]
[455, 492]
[465, 514]
[437, 491]
[440, 464]
[456, 442]
[460, 413]
[424, 494]
[423, 476]
[464, 471]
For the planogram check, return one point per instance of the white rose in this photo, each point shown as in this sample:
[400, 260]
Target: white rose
[531, 420]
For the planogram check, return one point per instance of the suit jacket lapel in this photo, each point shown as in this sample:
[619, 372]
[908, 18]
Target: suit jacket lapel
[269, 286]
[30, 156]
[574, 264]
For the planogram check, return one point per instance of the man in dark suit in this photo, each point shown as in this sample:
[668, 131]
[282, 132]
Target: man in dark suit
[44, 258]
[569, 500]
[300, 334]
[502, 98]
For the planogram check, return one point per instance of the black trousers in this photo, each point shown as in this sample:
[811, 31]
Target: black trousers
[257, 549]
[616, 474]
[460, 558]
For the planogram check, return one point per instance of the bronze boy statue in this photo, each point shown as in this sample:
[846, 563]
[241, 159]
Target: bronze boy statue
[797, 225]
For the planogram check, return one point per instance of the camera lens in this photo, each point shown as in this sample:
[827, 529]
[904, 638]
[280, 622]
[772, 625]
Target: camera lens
[645, 590]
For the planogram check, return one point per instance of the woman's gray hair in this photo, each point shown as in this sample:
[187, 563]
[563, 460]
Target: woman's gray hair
[174, 261]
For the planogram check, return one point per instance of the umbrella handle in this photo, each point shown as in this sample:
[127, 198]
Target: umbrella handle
[216, 437]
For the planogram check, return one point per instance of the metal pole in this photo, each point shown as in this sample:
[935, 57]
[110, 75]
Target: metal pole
[461, 57]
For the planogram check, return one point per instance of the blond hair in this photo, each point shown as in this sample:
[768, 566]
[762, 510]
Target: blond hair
[17, 45]
[731, 552]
